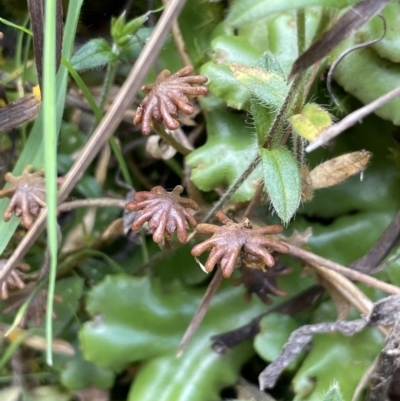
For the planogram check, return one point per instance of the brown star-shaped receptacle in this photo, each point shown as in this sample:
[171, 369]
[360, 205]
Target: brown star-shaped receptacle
[13, 280]
[165, 212]
[235, 243]
[27, 194]
[167, 96]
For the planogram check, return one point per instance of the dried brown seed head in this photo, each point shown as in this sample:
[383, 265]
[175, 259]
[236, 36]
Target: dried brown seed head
[236, 243]
[13, 280]
[168, 95]
[27, 194]
[339, 169]
[164, 211]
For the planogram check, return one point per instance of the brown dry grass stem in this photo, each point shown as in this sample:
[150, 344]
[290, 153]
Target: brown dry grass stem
[100, 202]
[349, 291]
[352, 119]
[313, 259]
[200, 311]
[179, 41]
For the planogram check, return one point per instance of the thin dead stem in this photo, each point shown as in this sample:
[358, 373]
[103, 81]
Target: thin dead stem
[179, 41]
[352, 119]
[345, 271]
[346, 288]
[200, 312]
[349, 291]
[100, 202]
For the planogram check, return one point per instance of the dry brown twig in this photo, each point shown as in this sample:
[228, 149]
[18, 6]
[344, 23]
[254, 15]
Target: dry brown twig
[200, 312]
[351, 274]
[179, 42]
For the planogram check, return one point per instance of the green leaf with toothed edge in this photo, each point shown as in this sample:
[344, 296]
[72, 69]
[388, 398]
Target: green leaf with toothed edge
[145, 322]
[142, 319]
[96, 53]
[335, 356]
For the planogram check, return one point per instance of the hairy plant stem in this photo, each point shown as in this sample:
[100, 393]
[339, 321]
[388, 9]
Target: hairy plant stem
[301, 31]
[273, 136]
[297, 141]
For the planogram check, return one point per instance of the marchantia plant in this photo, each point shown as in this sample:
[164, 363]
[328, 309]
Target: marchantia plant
[204, 270]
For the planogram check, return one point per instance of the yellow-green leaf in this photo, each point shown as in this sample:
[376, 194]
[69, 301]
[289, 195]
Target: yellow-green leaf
[311, 122]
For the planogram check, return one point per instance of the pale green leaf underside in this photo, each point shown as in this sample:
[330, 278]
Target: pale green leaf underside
[269, 88]
[249, 11]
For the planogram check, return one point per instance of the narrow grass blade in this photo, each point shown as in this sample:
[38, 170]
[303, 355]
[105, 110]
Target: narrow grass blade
[50, 148]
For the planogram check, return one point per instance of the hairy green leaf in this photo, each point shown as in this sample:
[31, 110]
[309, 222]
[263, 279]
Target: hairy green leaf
[222, 83]
[282, 181]
[263, 119]
[96, 53]
[311, 122]
[267, 87]
[268, 62]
